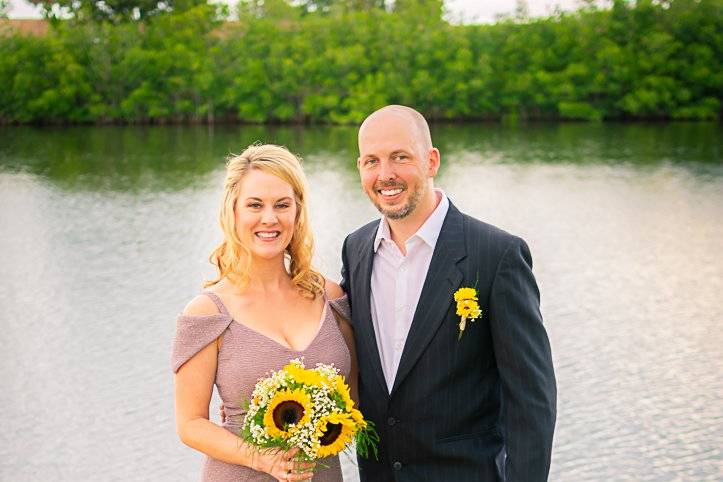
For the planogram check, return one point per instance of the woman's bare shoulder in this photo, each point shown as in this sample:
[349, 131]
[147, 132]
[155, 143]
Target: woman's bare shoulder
[333, 290]
[201, 305]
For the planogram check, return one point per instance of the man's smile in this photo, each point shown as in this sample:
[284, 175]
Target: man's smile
[390, 192]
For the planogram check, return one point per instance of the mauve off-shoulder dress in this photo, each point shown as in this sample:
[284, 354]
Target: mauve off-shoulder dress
[245, 356]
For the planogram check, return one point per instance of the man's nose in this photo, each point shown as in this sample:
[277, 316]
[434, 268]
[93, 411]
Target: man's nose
[386, 171]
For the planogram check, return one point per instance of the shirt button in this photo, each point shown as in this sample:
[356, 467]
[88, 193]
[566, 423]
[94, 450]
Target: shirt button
[397, 465]
[391, 421]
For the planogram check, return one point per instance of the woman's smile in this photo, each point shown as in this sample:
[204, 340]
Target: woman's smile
[268, 236]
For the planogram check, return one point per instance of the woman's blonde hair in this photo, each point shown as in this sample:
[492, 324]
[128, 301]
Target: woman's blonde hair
[231, 257]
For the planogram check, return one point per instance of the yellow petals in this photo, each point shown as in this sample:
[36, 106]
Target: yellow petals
[310, 409]
[358, 418]
[288, 410]
[303, 375]
[467, 307]
[335, 431]
[343, 389]
[465, 294]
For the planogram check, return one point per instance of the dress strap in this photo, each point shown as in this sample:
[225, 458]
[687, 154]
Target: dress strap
[217, 301]
[341, 307]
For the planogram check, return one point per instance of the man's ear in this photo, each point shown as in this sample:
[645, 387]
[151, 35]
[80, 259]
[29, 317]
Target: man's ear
[433, 160]
[358, 162]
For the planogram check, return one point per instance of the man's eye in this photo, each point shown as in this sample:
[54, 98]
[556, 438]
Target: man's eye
[370, 162]
[401, 157]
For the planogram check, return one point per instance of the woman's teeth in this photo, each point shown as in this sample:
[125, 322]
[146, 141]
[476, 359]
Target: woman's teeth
[268, 235]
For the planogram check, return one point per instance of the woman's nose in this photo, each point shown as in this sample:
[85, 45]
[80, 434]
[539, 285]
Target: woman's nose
[268, 217]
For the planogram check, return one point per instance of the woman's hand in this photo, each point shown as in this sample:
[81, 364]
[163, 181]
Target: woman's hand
[282, 466]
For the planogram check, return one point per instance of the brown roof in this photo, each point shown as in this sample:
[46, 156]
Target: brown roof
[29, 26]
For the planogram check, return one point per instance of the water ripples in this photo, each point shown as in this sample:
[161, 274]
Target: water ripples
[627, 257]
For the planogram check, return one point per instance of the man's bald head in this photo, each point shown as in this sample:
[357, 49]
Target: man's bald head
[416, 121]
[397, 164]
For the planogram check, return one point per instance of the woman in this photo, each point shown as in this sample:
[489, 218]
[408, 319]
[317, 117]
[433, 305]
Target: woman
[266, 307]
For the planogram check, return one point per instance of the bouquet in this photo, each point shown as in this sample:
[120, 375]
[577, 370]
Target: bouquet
[306, 408]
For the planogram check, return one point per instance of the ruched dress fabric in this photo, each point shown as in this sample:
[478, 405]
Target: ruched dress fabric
[244, 357]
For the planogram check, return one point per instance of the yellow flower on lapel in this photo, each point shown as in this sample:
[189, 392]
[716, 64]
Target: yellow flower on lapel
[467, 307]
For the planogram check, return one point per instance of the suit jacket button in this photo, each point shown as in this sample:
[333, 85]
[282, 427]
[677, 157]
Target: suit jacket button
[397, 465]
[391, 421]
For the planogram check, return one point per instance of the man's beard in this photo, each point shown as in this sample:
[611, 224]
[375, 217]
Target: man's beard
[406, 209]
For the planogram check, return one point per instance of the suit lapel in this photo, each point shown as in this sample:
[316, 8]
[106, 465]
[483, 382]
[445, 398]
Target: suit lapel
[363, 326]
[443, 278]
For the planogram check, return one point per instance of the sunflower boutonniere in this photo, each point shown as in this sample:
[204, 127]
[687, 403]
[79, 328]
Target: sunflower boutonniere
[467, 307]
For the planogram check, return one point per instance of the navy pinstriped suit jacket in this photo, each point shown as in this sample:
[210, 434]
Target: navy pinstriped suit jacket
[481, 408]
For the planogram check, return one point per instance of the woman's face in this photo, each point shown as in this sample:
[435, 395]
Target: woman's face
[265, 214]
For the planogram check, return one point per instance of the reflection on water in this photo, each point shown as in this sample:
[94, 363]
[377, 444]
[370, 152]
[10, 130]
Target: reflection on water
[106, 233]
[118, 158]
[173, 157]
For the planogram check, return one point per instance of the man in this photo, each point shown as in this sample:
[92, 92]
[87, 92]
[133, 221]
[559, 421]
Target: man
[451, 401]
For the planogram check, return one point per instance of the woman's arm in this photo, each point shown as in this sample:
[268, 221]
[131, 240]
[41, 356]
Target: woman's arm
[193, 390]
[348, 333]
[333, 291]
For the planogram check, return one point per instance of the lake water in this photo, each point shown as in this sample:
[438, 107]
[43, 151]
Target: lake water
[106, 233]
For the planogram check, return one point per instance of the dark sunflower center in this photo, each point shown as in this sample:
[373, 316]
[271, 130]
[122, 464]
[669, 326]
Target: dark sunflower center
[287, 413]
[333, 430]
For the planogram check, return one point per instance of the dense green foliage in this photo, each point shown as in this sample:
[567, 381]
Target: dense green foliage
[317, 63]
[114, 11]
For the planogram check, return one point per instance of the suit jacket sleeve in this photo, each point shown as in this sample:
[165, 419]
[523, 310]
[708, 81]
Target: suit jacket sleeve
[524, 361]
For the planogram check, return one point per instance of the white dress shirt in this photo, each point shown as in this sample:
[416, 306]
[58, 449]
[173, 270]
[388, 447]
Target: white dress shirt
[397, 282]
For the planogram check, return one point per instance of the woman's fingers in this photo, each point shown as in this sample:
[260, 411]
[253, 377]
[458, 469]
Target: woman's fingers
[302, 466]
[286, 468]
[296, 476]
[291, 476]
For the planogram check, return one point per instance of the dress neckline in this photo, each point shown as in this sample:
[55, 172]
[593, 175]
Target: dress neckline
[222, 307]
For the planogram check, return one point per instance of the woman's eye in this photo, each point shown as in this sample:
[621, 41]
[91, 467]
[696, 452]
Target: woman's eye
[254, 205]
[282, 206]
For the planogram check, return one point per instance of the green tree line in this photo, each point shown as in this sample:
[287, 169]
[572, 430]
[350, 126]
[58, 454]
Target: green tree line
[332, 61]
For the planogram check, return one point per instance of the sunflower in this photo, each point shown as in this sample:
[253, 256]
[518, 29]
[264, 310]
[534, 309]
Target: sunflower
[335, 431]
[304, 376]
[465, 294]
[343, 389]
[468, 309]
[358, 418]
[287, 410]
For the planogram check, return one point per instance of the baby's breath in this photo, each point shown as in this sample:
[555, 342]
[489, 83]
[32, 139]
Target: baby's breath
[322, 396]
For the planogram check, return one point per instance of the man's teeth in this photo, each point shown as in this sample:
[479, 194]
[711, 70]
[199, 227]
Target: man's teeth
[268, 235]
[390, 192]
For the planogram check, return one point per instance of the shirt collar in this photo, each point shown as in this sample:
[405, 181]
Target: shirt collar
[428, 232]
